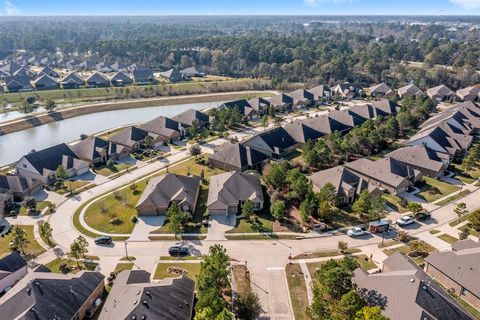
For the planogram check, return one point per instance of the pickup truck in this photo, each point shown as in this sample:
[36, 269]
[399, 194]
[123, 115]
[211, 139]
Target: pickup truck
[356, 232]
[405, 221]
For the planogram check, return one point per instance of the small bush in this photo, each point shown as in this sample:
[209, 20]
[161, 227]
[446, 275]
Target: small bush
[134, 219]
[116, 221]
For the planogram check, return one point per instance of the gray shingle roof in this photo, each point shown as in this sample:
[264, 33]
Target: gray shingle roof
[238, 155]
[12, 262]
[129, 136]
[420, 156]
[232, 187]
[89, 148]
[187, 117]
[50, 158]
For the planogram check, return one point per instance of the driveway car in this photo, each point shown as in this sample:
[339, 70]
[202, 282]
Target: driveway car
[176, 251]
[103, 240]
[405, 221]
[422, 216]
[357, 232]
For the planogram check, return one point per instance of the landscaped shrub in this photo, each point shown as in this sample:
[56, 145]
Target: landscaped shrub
[134, 219]
[116, 221]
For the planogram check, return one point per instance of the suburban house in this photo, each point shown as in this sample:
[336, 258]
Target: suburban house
[10, 68]
[229, 190]
[420, 157]
[86, 65]
[41, 165]
[347, 183]
[72, 80]
[281, 102]
[302, 97]
[98, 80]
[45, 82]
[143, 76]
[120, 79]
[374, 109]
[92, 149]
[48, 295]
[346, 90]
[243, 107]
[326, 124]
[237, 157]
[469, 94]
[320, 92]
[276, 143]
[260, 105]
[48, 71]
[464, 116]
[440, 93]
[126, 141]
[161, 191]
[18, 185]
[187, 118]
[18, 82]
[118, 66]
[380, 90]
[172, 75]
[445, 138]
[12, 268]
[34, 60]
[387, 173]
[346, 118]
[458, 271]
[405, 291]
[190, 72]
[301, 132]
[164, 129]
[134, 296]
[103, 67]
[410, 90]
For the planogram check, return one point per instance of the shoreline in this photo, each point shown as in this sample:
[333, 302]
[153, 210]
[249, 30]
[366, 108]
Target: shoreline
[67, 113]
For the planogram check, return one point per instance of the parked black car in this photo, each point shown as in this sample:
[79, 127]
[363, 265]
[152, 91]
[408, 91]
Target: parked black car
[103, 240]
[422, 216]
[177, 251]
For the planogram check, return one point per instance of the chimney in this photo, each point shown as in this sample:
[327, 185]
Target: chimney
[249, 156]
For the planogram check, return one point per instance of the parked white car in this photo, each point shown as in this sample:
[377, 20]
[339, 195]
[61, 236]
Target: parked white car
[356, 232]
[405, 221]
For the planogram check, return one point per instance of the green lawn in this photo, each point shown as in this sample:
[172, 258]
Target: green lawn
[55, 264]
[193, 269]
[106, 171]
[123, 266]
[465, 177]
[40, 206]
[393, 201]
[406, 249]
[32, 248]
[363, 260]
[434, 231]
[463, 218]
[190, 166]
[323, 254]
[298, 290]
[435, 189]
[447, 238]
[472, 231]
[263, 224]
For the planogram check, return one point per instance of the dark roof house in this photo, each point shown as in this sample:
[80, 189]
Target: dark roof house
[276, 142]
[120, 79]
[187, 118]
[237, 157]
[98, 80]
[143, 76]
[46, 82]
[172, 75]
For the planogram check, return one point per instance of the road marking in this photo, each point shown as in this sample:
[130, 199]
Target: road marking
[274, 268]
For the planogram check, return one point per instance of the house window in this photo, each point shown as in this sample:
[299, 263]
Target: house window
[25, 165]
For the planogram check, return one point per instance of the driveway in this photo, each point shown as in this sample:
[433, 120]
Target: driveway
[218, 225]
[144, 226]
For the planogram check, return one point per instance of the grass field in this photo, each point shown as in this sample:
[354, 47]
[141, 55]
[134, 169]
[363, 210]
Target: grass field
[323, 254]
[435, 189]
[123, 266]
[467, 178]
[393, 201]
[447, 238]
[32, 248]
[40, 206]
[193, 269]
[364, 262]
[54, 265]
[406, 249]
[454, 197]
[298, 290]
[115, 168]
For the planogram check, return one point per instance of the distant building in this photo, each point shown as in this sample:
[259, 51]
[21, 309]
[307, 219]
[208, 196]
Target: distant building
[172, 75]
[410, 90]
[440, 93]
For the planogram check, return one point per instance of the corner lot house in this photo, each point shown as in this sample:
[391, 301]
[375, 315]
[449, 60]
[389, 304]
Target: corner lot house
[133, 296]
[458, 270]
[41, 165]
[163, 190]
[404, 291]
[229, 190]
[420, 157]
[237, 157]
[46, 295]
[12, 268]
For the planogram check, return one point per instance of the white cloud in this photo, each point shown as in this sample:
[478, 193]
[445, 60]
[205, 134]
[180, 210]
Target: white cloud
[467, 4]
[9, 9]
[316, 2]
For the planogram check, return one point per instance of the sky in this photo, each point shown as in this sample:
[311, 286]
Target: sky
[239, 7]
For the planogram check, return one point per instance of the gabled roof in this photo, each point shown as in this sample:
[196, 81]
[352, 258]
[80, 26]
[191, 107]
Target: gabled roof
[340, 177]
[302, 132]
[191, 72]
[461, 266]
[21, 80]
[318, 92]
[346, 117]
[48, 71]
[405, 291]
[451, 139]
[168, 299]
[50, 158]
[42, 295]
[119, 66]
[11, 263]
[420, 156]
[232, 187]
[162, 190]
[14, 183]
[259, 103]
[171, 74]
[163, 126]
[73, 78]
[238, 155]
[89, 147]
[365, 111]
[98, 77]
[11, 68]
[86, 64]
[129, 136]
[473, 91]
[273, 138]
[440, 91]
[301, 95]
[384, 107]
[280, 100]
[121, 76]
[142, 75]
[325, 124]
[46, 80]
[409, 90]
[381, 88]
[188, 116]
[242, 104]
